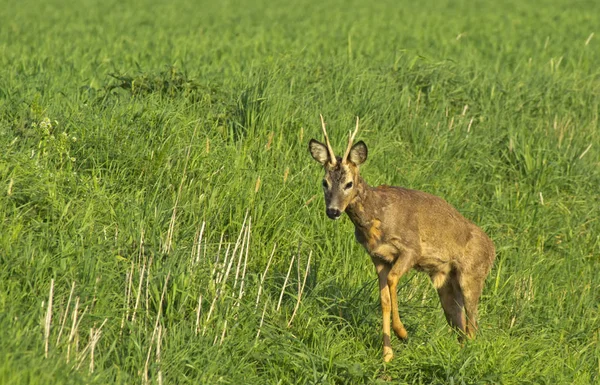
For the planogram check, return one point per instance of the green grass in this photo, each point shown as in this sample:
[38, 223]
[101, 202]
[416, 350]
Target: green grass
[124, 126]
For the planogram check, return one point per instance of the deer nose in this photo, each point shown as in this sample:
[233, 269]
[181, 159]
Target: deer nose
[333, 213]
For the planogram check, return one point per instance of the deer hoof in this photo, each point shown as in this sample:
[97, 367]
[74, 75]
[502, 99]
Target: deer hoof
[387, 354]
[401, 333]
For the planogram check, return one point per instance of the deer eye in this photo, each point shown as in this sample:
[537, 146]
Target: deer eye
[348, 186]
[325, 184]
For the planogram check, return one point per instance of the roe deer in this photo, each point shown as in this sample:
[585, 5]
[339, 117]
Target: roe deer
[403, 229]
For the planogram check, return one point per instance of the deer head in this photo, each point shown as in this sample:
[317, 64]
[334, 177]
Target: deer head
[341, 174]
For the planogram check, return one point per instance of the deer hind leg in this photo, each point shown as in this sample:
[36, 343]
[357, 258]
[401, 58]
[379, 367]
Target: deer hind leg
[384, 294]
[451, 297]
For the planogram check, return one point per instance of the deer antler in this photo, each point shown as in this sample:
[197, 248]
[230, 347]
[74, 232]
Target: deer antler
[350, 140]
[332, 158]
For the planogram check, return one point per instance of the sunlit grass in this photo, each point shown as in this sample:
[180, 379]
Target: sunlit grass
[154, 157]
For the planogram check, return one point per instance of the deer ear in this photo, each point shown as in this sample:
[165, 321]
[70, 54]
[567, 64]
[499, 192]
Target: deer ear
[358, 153]
[318, 151]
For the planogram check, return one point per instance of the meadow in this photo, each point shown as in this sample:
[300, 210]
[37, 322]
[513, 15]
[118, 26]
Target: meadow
[161, 219]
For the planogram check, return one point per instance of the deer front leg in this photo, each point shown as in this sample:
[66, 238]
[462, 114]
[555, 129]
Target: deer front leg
[384, 295]
[399, 268]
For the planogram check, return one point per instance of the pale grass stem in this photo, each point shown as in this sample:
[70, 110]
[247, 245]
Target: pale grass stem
[469, 126]
[158, 342]
[585, 151]
[64, 318]
[262, 318]
[214, 270]
[257, 185]
[154, 331]
[310, 199]
[128, 285]
[589, 38]
[169, 242]
[74, 326]
[301, 290]
[262, 278]
[451, 125]
[199, 244]
[285, 283]
[223, 334]
[94, 298]
[141, 249]
[286, 173]
[147, 288]
[217, 293]
[139, 293]
[241, 256]
[243, 279]
[94, 338]
[48, 319]
[298, 267]
[237, 244]
[198, 314]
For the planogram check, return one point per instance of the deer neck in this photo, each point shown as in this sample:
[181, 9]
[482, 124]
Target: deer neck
[357, 209]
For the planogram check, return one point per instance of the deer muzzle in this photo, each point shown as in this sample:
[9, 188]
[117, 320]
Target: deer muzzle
[333, 213]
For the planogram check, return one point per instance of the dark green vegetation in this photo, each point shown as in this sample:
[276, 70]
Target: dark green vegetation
[125, 126]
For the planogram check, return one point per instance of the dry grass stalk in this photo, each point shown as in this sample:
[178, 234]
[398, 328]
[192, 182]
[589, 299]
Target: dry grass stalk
[285, 283]
[64, 318]
[48, 319]
[147, 288]
[469, 126]
[73, 328]
[223, 334]
[200, 242]
[310, 200]
[237, 244]
[128, 285]
[585, 151]
[257, 185]
[169, 242]
[155, 330]
[94, 338]
[214, 270]
[286, 173]
[198, 314]
[245, 262]
[139, 293]
[262, 278]
[241, 256]
[262, 318]
[158, 342]
[217, 293]
[301, 290]
[221, 272]
[589, 38]
[95, 298]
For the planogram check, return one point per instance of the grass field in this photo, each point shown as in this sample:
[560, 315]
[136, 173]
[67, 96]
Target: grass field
[154, 157]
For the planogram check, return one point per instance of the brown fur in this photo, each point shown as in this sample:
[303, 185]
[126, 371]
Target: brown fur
[403, 229]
